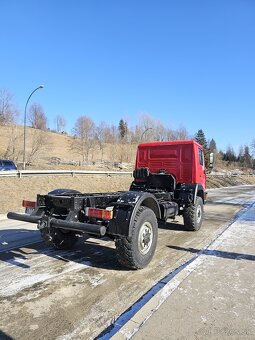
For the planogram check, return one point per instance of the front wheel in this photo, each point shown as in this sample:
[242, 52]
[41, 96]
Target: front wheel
[136, 252]
[193, 215]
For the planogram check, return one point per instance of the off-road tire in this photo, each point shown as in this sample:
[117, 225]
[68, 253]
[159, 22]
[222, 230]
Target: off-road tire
[136, 252]
[59, 238]
[63, 192]
[193, 215]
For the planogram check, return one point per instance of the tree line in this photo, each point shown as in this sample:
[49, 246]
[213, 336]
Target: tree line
[244, 159]
[87, 136]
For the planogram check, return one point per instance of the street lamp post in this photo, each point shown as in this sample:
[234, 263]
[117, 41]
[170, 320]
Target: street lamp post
[25, 123]
[144, 132]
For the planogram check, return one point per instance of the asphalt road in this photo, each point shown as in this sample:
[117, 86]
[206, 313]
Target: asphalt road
[77, 294]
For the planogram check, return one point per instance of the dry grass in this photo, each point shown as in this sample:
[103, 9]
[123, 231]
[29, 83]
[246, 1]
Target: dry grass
[58, 146]
[14, 190]
[217, 182]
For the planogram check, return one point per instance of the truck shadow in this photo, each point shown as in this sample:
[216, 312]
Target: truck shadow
[175, 226]
[217, 253]
[230, 202]
[89, 252]
[18, 247]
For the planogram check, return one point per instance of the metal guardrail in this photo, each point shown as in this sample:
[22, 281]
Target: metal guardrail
[26, 173]
[230, 175]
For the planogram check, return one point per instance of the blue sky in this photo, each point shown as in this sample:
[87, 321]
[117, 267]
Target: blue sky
[187, 63]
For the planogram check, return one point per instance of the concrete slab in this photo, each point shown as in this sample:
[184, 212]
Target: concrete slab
[212, 298]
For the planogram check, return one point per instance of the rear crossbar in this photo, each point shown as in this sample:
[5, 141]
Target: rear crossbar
[23, 217]
[94, 229]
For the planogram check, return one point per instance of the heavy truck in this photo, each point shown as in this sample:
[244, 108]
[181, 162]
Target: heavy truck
[169, 180]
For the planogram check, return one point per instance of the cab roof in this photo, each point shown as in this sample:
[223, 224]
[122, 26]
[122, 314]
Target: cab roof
[174, 142]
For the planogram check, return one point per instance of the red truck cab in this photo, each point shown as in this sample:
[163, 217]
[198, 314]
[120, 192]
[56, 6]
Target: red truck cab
[183, 159]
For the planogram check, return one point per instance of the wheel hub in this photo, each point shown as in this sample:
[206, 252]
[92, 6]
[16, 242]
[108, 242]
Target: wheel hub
[199, 214]
[145, 238]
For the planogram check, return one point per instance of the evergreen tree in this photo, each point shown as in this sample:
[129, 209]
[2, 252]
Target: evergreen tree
[122, 128]
[247, 159]
[240, 154]
[200, 138]
[212, 146]
[229, 156]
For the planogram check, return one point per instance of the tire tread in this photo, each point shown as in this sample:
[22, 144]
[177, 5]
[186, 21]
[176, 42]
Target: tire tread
[189, 216]
[124, 245]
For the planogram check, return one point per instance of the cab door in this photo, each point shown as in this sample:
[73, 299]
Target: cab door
[201, 176]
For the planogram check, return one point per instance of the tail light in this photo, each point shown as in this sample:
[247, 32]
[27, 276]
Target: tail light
[28, 204]
[102, 214]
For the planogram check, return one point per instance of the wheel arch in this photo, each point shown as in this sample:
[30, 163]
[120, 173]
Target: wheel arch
[126, 208]
[152, 204]
[200, 193]
[195, 189]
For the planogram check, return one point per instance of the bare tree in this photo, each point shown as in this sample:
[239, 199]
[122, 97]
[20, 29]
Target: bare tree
[13, 150]
[39, 143]
[124, 152]
[182, 134]
[37, 117]
[179, 134]
[8, 112]
[83, 142]
[102, 134]
[112, 135]
[159, 131]
[146, 127]
[60, 123]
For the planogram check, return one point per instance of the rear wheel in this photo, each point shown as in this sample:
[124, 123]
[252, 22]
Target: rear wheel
[136, 252]
[59, 238]
[56, 237]
[193, 215]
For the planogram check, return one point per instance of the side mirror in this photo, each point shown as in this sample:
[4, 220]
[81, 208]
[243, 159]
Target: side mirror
[211, 164]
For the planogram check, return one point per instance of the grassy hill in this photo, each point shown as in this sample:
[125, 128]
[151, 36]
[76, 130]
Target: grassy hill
[55, 149]
[57, 146]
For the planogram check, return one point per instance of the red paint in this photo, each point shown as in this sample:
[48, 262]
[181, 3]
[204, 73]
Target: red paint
[179, 158]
